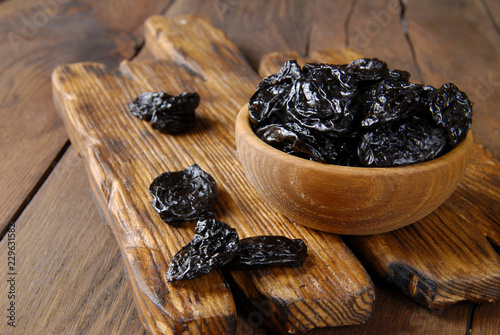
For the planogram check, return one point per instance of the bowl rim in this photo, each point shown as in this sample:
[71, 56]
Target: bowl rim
[243, 128]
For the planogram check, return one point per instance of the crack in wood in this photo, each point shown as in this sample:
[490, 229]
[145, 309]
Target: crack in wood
[140, 43]
[137, 49]
[470, 319]
[487, 9]
[44, 176]
[406, 31]
[167, 7]
[348, 21]
[309, 34]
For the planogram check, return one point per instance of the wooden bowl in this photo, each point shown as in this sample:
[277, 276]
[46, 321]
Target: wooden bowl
[343, 199]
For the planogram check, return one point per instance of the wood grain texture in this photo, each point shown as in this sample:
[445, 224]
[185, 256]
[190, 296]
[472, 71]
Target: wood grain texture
[169, 40]
[249, 24]
[444, 258]
[32, 133]
[467, 54]
[122, 172]
[477, 198]
[70, 277]
[486, 319]
[330, 289]
[492, 10]
[373, 28]
[437, 261]
[396, 314]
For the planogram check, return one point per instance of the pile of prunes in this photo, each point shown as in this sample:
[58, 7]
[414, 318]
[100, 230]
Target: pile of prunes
[359, 114]
[191, 194]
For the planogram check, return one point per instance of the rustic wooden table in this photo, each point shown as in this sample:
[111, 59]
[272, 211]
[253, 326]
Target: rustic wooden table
[67, 276]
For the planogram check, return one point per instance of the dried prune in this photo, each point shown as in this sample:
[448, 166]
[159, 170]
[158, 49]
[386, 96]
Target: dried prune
[332, 77]
[266, 103]
[290, 139]
[167, 113]
[146, 103]
[390, 101]
[452, 110]
[368, 70]
[401, 143]
[263, 251]
[289, 72]
[184, 195]
[351, 114]
[214, 245]
[399, 75]
[323, 109]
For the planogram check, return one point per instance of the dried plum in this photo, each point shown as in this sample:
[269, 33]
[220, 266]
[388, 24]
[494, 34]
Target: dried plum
[401, 143]
[266, 103]
[323, 109]
[146, 103]
[391, 101]
[184, 195]
[214, 244]
[168, 114]
[332, 77]
[368, 70]
[263, 251]
[452, 110]
[399, 75]
[290, 139]
[351, 114]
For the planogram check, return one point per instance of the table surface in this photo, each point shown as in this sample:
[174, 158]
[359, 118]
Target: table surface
[68, 276]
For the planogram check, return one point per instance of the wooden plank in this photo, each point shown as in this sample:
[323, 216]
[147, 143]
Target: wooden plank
[477, 198]
[330, 289]
[396, 314]
[438, 261]
[486, 318]
[492, 9]
[174, 39]
[257, 27]
[200, 305]
[69, 274]
[328, 28]
[35, 37]
[467, 54]
[444, 258]
[372, 28]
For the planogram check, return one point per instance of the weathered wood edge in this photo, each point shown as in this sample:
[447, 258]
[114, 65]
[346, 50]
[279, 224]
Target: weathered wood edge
[157, 317]
[226, 76]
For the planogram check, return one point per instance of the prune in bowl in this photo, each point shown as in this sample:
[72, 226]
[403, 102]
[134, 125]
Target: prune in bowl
[350, 200]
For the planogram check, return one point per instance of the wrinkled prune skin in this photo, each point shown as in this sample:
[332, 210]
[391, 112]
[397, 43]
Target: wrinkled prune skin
[339, 114]
[214, 245]
[391, 101]
[291, 139]
[368, 70]
[322, 100]
[265, 251]
[452, 110]
[185, 195]
[167, 113]
[146, 103]
[399, 75]
[401, 143]
[268, 99]
[321, 109]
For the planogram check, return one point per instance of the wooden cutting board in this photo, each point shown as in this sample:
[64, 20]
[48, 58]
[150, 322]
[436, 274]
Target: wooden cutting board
[123, 155]
[445, 257]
